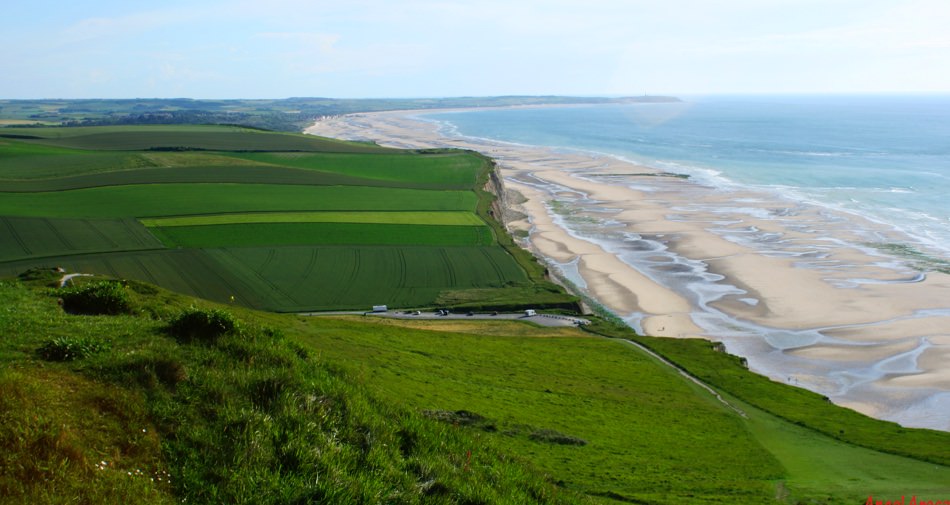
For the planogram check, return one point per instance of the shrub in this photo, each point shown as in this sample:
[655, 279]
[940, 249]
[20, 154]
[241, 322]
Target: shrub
[70, 348]
[102, 297]
[202, 324]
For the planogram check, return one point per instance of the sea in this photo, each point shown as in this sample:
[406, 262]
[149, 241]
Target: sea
[877, 168]
[885, 157]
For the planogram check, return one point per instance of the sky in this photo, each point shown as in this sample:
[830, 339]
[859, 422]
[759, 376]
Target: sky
[439, 48]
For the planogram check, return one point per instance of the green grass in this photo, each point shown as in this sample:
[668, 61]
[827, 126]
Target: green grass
[822, 469]
[650, 436]
[188, 271]
[61, 196]
[194, 175]
[35, 167]
[799, 406]
[457, 170]
[642, 422]
[211, 138]
[249, 417]
[326, 278]
[394, 217]
[233, 418]
[281, 234]
[306, 278]
[22, 238]
[21, 160]
[161, 200]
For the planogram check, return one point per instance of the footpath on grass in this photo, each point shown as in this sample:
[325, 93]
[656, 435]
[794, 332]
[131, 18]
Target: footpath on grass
[687, 375]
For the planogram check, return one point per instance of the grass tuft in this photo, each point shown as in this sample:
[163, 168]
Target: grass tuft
[71, 348]
[204, 325]
[102, 297]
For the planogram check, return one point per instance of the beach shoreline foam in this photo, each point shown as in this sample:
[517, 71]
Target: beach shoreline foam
[792, 287]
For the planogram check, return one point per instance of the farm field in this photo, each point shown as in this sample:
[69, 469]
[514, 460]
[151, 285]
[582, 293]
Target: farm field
[264, 234]
[158, 200]
[421, 218]
[282, 222]
[183, 137]
[325, 278]
[25, 237]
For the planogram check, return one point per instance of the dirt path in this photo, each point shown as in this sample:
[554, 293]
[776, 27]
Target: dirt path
[688, 376]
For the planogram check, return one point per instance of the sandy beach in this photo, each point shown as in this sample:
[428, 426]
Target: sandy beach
[792, 287]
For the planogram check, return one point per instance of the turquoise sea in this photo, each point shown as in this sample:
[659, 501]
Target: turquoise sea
[884, 157]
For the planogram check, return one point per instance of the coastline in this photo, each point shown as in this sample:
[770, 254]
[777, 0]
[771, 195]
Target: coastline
[674, 258]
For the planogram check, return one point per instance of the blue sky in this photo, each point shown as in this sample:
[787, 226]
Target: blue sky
[421, 48]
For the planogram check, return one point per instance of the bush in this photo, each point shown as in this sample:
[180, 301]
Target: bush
[102, 297]
[70, 348]
[202, 324]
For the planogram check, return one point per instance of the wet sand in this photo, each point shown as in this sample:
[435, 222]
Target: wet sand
[792, 287]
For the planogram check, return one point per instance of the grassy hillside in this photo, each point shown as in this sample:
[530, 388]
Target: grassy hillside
[650, 435]
[165, 403]
[243, 407]
[262, 218]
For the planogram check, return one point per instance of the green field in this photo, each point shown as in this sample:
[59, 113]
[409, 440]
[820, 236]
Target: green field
[158, 200]
[308, 278]
[182, 137]
[586, 419]
[446, 171]
[422, 218]
[303, 278]
[651, 436]
[141, 413]
[215, 200]
[797, 405]
[23, 238]
[280, 234]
